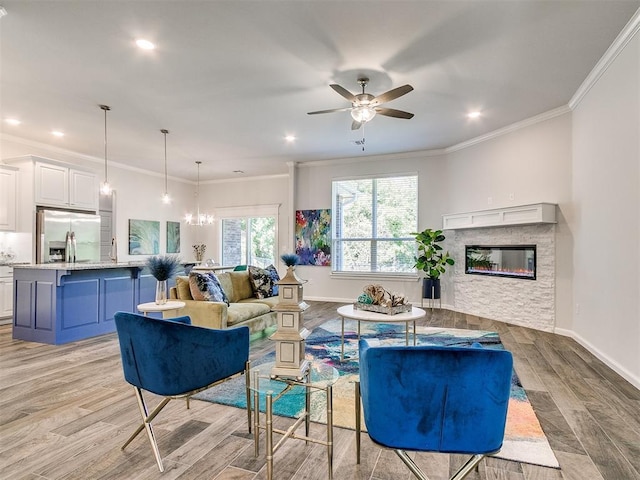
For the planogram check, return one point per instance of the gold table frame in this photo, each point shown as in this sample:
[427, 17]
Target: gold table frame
[306, 381]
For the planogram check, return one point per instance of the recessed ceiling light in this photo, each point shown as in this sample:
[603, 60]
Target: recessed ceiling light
[57, 133]
[473, 114]
[290, 138]
[3, 12]
[145, 44]
[12, 121]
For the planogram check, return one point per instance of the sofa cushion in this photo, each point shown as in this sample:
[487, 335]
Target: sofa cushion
[205, 287]
[270, 301]
[183, 290]
[264, 281]
[241, 285]
[239, 312]
[227, 286]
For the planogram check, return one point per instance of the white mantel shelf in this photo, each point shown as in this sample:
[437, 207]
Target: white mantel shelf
[501, 217]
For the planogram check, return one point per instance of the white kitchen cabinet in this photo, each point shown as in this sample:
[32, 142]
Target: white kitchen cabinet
[83, 189]
[52, 185]
[8, 176]
[6, 292]
[59, 186]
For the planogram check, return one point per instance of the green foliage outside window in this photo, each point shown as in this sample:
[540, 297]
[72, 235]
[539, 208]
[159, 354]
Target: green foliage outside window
[374, 218]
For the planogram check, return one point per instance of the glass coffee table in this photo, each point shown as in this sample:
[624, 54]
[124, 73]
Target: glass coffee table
[318, 377]
[347, 311]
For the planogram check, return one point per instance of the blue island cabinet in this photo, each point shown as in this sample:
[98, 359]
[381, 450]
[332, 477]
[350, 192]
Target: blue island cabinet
[61, 304]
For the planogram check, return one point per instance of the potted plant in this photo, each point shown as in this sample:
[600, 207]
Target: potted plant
[431, 260]
[162, 267]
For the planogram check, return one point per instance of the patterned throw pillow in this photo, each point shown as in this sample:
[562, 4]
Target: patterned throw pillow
[264, 281]
[205, 287]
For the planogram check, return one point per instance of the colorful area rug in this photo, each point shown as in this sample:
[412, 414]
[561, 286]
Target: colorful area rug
[524, 439]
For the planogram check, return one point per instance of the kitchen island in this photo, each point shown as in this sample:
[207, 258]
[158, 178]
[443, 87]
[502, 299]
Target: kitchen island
[63, 302]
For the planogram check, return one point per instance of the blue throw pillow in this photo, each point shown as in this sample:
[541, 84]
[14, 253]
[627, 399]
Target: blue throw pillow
[264, 281]
[206, 287]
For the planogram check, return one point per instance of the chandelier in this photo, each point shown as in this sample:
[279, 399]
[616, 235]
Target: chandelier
[199, 219]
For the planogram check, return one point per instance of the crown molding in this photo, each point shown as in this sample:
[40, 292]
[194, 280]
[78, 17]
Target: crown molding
[88, 158]
[374, 158]
[245, 179]
[556, 112]
[621, 41]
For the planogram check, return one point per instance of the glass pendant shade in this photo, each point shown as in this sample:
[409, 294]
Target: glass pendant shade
[166, 199]
[105, 187]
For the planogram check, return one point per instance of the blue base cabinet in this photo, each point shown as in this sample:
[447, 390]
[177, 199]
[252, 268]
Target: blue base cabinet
[64, 305]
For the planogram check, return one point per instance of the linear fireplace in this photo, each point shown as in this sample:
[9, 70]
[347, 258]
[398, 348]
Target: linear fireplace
[514, 261]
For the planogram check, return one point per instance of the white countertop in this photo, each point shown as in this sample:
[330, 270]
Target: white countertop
[80, 266]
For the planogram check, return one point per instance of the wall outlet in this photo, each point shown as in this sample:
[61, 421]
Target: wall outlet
[577, 309]
[512, 196]
[489, 200]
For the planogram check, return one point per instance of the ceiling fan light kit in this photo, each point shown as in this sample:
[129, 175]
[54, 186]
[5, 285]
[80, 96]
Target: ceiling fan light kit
[365, 106]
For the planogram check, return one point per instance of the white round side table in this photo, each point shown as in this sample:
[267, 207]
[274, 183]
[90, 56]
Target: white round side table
[154, 307]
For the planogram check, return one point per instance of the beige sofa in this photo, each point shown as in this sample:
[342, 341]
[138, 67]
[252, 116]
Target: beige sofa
[243, 309]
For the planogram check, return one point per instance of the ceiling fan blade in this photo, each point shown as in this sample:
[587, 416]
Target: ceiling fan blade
[331, 110]
[392, 112]
[391, 94]
[355, 125]
[344, 92]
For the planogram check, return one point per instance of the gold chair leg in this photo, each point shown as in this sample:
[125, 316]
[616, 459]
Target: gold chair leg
[146, 425]
[408, 461]
[358, 426]
[467, 467]
[247, 378]
[459, 475]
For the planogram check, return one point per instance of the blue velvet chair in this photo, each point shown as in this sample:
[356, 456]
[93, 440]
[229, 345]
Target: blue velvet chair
[433, 398]
[175, 359]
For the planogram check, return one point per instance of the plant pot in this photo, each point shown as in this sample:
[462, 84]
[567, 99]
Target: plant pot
[431, 288]
[161, 292]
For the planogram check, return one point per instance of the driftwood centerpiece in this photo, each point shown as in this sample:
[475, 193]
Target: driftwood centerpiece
[376, 299]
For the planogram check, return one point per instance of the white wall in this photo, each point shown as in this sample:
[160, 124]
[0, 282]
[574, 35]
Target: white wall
[138, 196]
[313, 191]
[248, 193]
[526, 166]
[606, 224]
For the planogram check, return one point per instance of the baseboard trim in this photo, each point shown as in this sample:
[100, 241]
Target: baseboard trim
[616, 367]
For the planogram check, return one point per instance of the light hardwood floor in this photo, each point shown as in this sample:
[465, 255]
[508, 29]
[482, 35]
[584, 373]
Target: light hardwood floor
[66, 410]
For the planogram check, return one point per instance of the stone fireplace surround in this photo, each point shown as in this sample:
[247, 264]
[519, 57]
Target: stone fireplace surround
[511, 300]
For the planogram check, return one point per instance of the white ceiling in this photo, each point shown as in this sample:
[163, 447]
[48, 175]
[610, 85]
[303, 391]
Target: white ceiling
[229, 79]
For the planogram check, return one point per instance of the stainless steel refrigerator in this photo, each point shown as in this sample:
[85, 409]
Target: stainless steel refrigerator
[66, 236]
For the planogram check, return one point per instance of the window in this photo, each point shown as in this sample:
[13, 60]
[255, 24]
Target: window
[248, 236]
[373, 219]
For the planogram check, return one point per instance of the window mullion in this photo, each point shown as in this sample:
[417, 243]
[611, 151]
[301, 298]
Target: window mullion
[374, 225]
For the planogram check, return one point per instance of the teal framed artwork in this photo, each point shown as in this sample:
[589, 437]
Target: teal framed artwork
[173, 237]
[144, 237]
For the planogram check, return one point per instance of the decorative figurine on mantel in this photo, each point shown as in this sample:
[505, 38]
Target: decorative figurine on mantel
[291, 334]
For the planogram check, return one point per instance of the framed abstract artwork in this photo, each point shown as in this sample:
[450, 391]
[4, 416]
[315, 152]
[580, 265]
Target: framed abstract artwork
[173, 237]
[144, 237]
[313, 237]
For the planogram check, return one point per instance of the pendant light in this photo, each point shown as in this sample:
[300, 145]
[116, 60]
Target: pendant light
[105, 187]
[199, 219]
[165, 198]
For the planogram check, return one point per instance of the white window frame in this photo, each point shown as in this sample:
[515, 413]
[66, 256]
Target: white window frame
[369, 274]
[248, 211]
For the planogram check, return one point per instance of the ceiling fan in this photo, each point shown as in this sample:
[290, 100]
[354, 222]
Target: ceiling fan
[365, 106]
